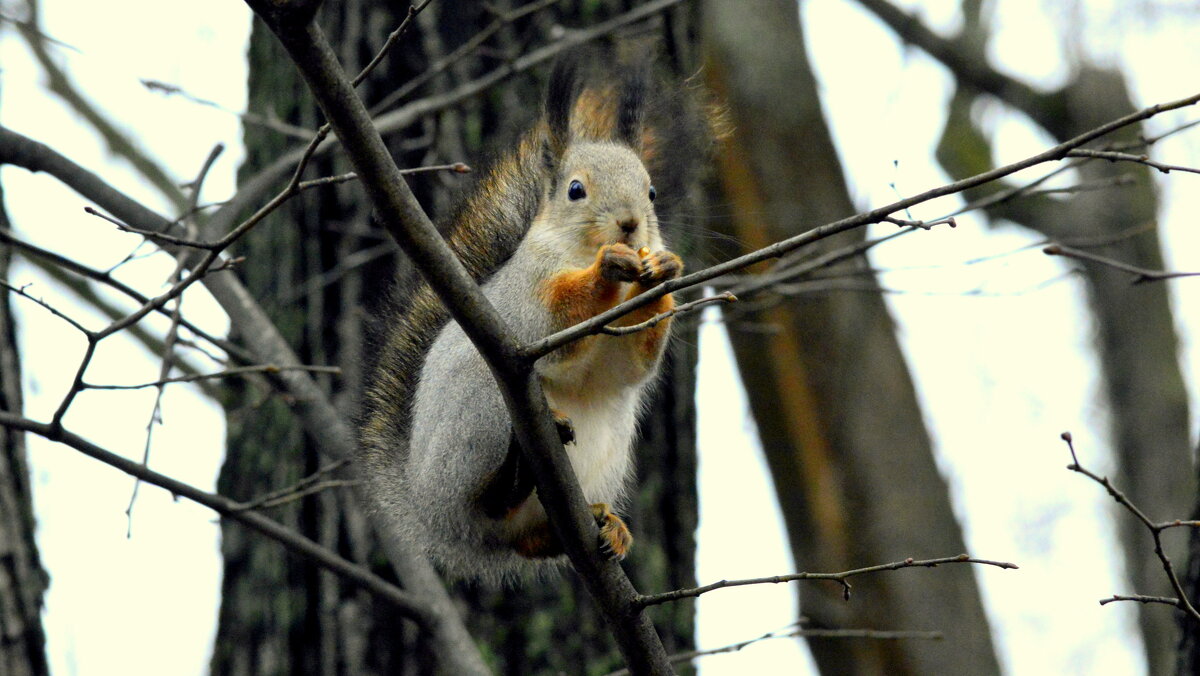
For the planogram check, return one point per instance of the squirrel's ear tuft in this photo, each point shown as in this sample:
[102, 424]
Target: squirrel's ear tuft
[565, 85]
[631, 108]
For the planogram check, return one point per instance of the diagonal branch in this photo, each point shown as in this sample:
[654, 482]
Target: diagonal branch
[404, 219]
[408, 604]
[1140, 275]
[325, 426]
[544, 346]
[1181, 600]
[667, 597]
[257, 187]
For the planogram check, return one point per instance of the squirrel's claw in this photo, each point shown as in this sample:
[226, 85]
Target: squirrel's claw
[566, 431]
[615, 538]
[659, 267]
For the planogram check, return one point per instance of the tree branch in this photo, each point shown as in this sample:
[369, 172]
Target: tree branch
[667, 597]
[408, 604]
[403, 218]
[544, 346]
[322, 422]
[1140, 275]
[1181, 598]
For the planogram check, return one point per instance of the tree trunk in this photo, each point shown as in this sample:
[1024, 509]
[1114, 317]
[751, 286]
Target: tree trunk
[22, 580]
[305, 622]
[828, 385]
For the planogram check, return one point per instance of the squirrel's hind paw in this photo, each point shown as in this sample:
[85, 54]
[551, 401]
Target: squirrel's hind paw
[566, 431]
[615, 538]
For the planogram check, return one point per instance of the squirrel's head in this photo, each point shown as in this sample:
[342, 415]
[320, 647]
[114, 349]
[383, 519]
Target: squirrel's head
[598, 191]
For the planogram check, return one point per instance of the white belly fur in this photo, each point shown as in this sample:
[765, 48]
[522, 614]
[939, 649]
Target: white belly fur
[604, 429]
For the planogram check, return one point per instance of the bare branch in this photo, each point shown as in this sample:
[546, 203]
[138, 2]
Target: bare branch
[1140, 275]
[1181, 598]
[724, 297]
[117, 141]
[667, 597]
[259, 186]
[404, 601]
[1166, 600]
[58, 261]
[236, 371]
[20, 291]
[269, 122]
[463, 50]
[403, 218]
[544, 346]
[1126, 157]
[157, 237]
[456, 167]
[413, 11]
[875, 634]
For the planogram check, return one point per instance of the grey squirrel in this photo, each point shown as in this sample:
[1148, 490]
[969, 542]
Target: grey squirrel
[560, 229]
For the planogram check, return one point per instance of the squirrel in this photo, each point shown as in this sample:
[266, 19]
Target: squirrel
[557, 231]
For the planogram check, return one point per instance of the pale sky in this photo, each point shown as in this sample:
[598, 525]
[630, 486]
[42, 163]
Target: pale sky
[995, 397]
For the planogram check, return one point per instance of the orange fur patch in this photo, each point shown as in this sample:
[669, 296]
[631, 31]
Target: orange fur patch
[538, 542]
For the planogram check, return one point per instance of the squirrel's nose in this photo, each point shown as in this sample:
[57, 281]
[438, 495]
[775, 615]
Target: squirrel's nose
[629, 225]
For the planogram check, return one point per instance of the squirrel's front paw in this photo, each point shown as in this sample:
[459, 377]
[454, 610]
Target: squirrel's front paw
[615, 538]
[619, 263]
[659, 267]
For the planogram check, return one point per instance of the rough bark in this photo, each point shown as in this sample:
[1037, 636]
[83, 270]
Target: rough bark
[22, 580]
[309, 623]
[828, 385]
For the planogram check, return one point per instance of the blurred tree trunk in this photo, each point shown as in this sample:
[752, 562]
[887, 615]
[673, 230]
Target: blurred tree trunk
[828, 385]
[280, 615]
[1135, 329]
[22, 580]
[1188, 655]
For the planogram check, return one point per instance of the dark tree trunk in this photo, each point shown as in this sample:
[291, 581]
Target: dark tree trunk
[279, 615]
[22, 580]
[828, 385]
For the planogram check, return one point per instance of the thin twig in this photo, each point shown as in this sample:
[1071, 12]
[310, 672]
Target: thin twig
[1127, 157]
[157, 237]
[408, 604]
[466, 49]
[269, 122]
[666, 597]
[1140, 275]
[1181, 600]
[107, 279]
[236, 371]
[874, 634]
[413, 11]
[724, 297]
[1165, 600]
[20, 291]
[455, 167]
[544, 346]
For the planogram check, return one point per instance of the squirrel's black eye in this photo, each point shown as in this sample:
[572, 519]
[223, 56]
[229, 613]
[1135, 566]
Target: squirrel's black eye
[653, 193]
[575, 191]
